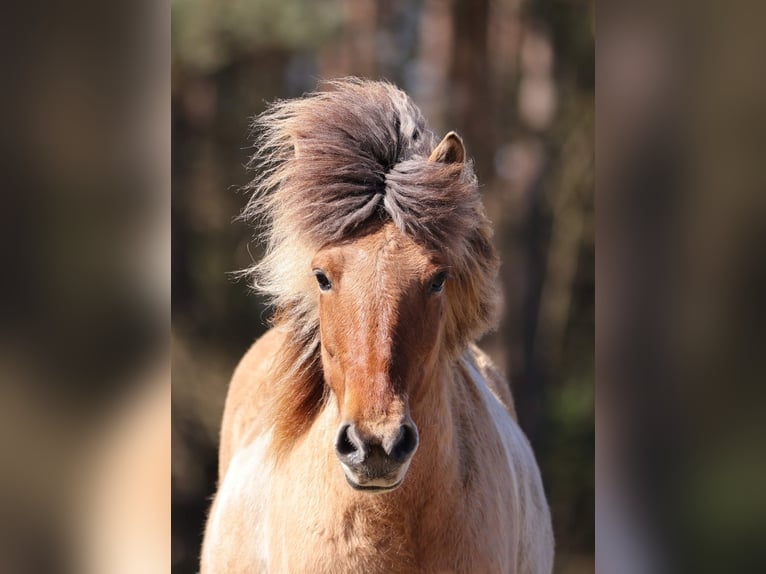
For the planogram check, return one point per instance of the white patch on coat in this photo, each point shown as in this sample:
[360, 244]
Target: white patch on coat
[240, 506]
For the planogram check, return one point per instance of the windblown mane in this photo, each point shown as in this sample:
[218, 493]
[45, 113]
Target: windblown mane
[337, 164]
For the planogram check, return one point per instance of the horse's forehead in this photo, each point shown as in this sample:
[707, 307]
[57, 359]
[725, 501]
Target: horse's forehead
[389, 250]
[386, 256]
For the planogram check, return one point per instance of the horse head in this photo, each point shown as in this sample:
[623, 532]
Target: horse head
[379, 261]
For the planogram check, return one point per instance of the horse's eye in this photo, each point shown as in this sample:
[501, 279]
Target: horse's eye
[437, 283]
[322, 280]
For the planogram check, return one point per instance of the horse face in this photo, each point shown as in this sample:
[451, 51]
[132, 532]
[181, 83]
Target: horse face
[382, 304]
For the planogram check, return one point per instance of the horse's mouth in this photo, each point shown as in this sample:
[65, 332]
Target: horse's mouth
[373, 488]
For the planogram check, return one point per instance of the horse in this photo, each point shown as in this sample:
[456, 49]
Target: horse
[365, 432]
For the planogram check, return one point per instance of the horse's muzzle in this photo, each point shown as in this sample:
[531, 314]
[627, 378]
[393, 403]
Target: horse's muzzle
[372, 463]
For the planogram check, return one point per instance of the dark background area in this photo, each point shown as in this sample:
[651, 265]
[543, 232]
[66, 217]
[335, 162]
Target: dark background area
[516, 80]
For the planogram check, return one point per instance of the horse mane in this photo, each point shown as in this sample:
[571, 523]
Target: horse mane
[334, 165]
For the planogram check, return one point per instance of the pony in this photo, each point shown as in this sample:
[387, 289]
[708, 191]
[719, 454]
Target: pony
[365, 432]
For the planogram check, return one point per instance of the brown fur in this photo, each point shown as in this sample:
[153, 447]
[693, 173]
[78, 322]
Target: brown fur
[354, 186]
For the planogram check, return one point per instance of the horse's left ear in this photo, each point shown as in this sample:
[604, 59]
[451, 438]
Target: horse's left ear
[450, 150]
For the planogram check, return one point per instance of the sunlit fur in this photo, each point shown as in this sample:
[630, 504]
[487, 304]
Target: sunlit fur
[348, 181]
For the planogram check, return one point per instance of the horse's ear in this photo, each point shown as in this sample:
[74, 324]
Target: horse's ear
[450, 150]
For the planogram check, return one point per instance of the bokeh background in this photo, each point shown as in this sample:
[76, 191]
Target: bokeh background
[516, 79]
[85, 245]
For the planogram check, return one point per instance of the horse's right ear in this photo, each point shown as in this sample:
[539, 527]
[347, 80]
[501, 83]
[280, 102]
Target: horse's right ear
[450, 150]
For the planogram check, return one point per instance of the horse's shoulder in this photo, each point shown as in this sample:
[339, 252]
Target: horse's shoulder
[495, 380]
[248, 394]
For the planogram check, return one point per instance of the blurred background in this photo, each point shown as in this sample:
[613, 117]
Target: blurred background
[516, 79]
[85, 288]
[680, 325]
[681, 274]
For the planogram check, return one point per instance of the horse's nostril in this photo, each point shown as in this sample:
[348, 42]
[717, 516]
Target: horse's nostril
[406, 443]
[343, 443]
[347, 444]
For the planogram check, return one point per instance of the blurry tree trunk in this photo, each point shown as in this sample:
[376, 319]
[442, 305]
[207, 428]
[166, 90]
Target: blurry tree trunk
[529, 376]
[354, 50]
[469, 95]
